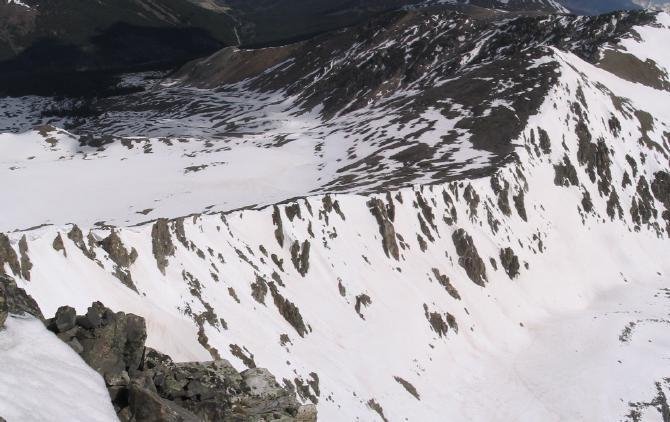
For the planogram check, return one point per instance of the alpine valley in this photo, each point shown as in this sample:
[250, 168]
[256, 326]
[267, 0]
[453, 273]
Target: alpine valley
[390, 211]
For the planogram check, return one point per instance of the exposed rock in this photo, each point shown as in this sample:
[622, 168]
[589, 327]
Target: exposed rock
[26, 265]
[147, 386]
[15, 300]
[587, 203]
[500, 187]
[65, 319]
[451, 321]
[306, 413]
[59, 246]
[510, 262]
[452, 216]
[545, 142]
[426, 210]
[408, 386]
[77, 237]
[116, 250]
[372, 404]
[645, 201]
[300, 256]
[4, 311]
[565, 174]
[446, 283]
[472, 199]
[613, 206]
[469, 258]
[246, 358]
[436, 321]
[288, 310]
[660, 187]
[422, 243]
[293, 211]
[8, 256]
[161, 242]
[520, 205]
[180, 232]
[362, 300]
[596, 158]
[259, 289]
[279, 230]
[122, 259]
[112, 342]
[145, 405]
[386, 229]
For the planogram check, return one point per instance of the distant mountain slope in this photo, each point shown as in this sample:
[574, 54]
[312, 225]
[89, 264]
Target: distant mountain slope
[595, 7]
[56, 36]
[428, 216]
[264, 22]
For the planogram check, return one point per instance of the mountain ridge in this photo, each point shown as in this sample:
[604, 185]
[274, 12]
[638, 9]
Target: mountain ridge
[334, 215]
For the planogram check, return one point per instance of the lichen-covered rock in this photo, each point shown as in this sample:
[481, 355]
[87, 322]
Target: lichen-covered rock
[469, 258]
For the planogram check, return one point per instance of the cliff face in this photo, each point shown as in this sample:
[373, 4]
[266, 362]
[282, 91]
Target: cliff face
[432, 271]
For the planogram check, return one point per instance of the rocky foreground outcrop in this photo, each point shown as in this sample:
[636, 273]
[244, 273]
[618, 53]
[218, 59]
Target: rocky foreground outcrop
[146, 385]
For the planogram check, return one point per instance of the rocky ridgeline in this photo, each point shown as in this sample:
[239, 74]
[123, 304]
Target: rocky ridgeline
[146, 385]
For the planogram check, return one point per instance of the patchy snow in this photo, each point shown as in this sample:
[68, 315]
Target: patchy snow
[579, 334]
[43, 379]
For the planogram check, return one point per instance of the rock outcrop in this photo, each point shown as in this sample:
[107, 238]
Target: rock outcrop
[15, 300]
[146, 385]
[469, 258]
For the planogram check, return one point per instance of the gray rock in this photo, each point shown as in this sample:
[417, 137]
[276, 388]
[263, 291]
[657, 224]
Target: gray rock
[146, 385]
[15, 300]
[306, 413]
[76, 346]
[3, 310]
[65, 318]
[510, 262]
[111, 342]
[145, 405]
[469, 258]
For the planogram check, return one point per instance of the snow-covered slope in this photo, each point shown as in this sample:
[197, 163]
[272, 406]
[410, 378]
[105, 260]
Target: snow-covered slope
[43, 379]
[516, 274]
